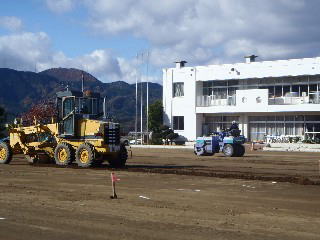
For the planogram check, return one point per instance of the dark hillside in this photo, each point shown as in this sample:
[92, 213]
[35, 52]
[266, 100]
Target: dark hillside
[19, 90]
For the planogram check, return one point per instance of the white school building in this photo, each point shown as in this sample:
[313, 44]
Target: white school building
[275, 98]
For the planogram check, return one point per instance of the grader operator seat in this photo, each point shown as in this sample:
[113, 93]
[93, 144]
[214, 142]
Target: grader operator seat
[73, 106]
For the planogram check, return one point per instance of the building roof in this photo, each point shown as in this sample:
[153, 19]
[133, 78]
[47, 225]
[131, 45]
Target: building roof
[263, 69]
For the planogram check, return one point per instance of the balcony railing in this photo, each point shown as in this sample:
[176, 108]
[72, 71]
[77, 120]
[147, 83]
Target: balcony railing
[313, 98]
[288, 100]
[208, 101]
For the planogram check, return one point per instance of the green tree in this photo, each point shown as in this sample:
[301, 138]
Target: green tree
[159, 130]
[155, 116]
[2, 122]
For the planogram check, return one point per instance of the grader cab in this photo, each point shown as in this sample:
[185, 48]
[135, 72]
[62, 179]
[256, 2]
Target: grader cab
[81, 133]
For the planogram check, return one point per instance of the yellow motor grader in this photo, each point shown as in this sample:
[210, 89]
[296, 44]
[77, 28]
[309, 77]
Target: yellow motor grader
[80, 133]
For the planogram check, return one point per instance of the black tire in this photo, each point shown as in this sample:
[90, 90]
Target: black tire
[5, 153]
[236, 151]
[85, 155]
[120, 160]
[228, 150]
[39, 159]
[241, 151]
[64, 154]
[31, 160]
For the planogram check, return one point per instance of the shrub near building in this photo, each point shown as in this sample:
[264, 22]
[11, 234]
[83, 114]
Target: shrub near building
[159, 131]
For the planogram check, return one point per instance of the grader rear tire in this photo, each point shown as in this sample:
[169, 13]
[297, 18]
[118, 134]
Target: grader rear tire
[85, 155]
[121, 159]
[5, 153]
[64, 154]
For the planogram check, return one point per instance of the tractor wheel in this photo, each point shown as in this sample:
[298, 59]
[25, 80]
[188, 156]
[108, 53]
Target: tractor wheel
[5, 153]
[121, 159]
[200, 151]
[85, 155]
[228, 150]
[64, 154]
[241, 151]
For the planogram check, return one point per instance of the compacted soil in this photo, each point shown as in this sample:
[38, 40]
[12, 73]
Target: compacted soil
[165, 194]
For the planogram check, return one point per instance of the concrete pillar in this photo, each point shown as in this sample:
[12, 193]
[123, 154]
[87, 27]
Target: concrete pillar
[244, 125]
[199, 120]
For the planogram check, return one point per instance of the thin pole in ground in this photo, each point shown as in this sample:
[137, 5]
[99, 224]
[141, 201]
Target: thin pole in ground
[113, 185]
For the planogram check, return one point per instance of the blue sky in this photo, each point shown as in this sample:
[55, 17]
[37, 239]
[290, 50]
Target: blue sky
[104, 36]
[68, 31]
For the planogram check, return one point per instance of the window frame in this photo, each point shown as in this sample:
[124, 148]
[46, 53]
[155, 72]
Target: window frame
[178, 123]
[174, 91]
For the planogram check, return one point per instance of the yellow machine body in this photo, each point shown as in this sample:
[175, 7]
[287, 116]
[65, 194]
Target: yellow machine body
[32, 139]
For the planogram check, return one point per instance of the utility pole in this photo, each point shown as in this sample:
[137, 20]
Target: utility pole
[136, 119]
[141, 105]
[147, 97]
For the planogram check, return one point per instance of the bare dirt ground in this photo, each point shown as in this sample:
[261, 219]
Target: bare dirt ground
[296, 167]
[47, 202]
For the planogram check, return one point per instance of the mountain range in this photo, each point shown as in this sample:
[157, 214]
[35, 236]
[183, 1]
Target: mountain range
[19, 90]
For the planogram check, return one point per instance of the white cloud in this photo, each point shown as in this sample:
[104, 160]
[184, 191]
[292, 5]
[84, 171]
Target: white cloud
[10, 23]
[60, 6]
[29, 51]
[23, 50]
[202, 31]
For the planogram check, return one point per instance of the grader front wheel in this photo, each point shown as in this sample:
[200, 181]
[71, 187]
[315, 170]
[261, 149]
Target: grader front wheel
[5, 153]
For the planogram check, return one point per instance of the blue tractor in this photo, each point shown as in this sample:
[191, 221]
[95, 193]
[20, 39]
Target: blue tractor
[228, 142]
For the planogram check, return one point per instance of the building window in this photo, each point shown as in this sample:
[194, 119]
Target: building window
[178, 89]
[178, 123]
[289, 125]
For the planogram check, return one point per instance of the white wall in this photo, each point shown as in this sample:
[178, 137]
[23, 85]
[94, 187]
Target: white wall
[167, 96]
[180, 106]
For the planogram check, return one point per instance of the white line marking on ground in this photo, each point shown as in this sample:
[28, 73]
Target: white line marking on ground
[144, 197]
